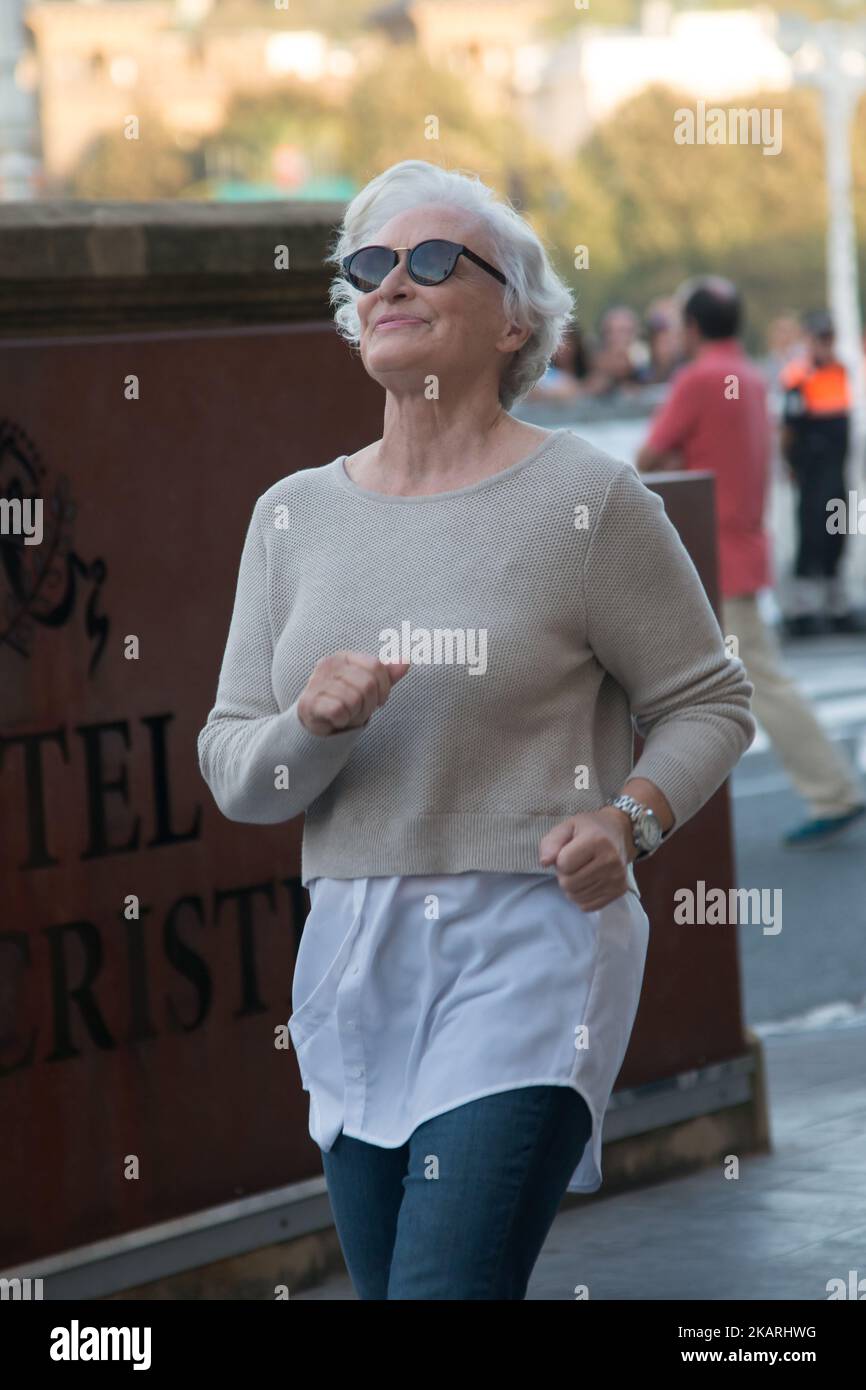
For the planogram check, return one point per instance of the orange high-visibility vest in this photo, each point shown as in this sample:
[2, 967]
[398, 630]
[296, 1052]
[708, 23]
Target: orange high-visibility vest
[824, 390]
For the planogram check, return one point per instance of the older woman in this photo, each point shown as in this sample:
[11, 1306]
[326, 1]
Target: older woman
[438, 648]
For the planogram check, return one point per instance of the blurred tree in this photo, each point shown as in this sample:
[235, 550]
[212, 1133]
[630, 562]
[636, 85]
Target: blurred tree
[244, 146]
[338, 18]
[113, 166]
[675, 210]
[563, 15]
[388, 118]
[812, 9]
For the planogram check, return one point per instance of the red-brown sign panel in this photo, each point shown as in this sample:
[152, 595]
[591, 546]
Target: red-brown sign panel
[146, 943]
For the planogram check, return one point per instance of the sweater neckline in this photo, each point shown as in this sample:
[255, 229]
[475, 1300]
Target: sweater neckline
[340, 476]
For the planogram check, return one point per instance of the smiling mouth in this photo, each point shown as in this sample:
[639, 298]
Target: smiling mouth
[399, 323]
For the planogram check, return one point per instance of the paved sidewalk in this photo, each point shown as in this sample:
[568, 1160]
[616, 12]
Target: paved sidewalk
[793, 1219]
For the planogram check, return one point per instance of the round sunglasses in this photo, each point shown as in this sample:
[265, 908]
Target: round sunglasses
[428, 263]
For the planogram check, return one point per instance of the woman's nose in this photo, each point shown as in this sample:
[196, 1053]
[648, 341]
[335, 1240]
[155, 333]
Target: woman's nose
[396, 277]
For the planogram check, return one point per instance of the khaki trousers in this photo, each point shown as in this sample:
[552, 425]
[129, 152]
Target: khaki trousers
[812, 762]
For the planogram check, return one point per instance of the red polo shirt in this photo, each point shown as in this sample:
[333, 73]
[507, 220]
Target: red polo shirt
[717, 417]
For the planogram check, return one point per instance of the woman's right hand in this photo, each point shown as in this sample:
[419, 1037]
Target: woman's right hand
[344, 690]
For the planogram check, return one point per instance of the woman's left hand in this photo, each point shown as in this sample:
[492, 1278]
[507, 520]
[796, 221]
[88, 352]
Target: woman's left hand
[591, 851]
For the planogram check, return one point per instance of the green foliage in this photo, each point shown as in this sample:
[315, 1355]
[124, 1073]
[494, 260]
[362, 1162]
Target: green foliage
[337, 18]
[255, 126]
[153, 166]
[387, 113]
[387, 119]
[563, 15]
[675, 210]
[812, 9]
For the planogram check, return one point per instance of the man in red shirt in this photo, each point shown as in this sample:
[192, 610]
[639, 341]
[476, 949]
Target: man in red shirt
[716, 419]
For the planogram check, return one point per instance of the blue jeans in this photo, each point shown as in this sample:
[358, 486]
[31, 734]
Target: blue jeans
[462, 1209]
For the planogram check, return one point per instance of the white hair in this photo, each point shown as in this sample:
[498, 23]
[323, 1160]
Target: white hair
[534, 297]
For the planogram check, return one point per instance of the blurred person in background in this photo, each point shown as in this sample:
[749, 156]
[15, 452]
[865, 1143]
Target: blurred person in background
[815, 440]
[785, 342]
[564, 371]
[716, 419]
[665, 341]
[620, 356]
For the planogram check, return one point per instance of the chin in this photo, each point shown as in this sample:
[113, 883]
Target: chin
[381, 359]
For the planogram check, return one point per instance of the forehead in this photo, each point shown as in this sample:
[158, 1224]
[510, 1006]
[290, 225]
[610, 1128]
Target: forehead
[620, 318]
[427, 220]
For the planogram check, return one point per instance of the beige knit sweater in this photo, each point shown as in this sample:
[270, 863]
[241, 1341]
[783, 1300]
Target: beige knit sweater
[543, 609]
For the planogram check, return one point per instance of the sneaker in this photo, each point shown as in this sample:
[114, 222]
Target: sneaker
[816, 832]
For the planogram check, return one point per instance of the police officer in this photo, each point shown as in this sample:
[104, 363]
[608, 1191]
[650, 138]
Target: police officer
[815, 441]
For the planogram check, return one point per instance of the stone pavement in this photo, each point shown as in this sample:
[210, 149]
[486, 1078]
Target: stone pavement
[792, 1220]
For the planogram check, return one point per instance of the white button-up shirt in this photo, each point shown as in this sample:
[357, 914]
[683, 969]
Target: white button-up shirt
[415, 994]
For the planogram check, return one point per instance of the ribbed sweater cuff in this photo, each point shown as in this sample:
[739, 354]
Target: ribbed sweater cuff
[684, 794]
[313, 759]
[316, 748]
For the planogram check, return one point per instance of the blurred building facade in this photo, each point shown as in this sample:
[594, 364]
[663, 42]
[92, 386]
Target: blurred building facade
[92, 63]
[717, 55]
[186, 59]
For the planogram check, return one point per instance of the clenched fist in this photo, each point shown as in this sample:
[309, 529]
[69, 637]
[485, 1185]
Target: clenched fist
[591, 852]
[344, 690]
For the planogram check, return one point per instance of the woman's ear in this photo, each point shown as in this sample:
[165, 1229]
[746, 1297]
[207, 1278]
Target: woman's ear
[511, 332]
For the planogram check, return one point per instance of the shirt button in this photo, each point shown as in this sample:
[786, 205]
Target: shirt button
[356, 969]
[359, 1071]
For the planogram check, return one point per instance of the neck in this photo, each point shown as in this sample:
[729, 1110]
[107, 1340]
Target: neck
[705, 343]
[426, 445]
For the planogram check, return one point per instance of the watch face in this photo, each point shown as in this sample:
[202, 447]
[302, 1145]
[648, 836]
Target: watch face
[649, 829]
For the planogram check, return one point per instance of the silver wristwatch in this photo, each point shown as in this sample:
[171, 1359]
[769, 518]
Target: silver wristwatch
[645, 823]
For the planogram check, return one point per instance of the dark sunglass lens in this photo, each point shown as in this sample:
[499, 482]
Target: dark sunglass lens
[433, 261]
[369, 267]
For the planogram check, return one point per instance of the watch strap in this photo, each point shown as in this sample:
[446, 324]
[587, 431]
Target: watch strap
[634, 809]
